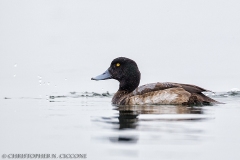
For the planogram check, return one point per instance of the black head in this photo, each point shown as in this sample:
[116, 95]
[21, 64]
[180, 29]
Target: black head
[125, 71]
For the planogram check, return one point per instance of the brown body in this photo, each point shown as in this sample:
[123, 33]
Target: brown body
[163, 93]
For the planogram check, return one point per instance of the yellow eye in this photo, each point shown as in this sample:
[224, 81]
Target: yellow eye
[117, 64]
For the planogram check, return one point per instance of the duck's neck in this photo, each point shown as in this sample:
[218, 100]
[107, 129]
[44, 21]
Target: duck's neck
[130, 83]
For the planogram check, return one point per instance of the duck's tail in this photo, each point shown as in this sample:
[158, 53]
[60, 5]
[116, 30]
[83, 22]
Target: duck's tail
[201, 99]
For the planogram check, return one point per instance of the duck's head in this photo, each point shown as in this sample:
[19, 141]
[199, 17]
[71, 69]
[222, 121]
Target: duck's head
[125, 71]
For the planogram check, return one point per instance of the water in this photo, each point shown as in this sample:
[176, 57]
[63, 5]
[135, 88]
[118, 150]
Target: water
[87, 123]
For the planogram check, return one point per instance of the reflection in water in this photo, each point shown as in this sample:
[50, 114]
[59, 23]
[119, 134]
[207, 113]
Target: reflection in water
[127, 139]
[128, 115]
[161, 109]
[129, 118]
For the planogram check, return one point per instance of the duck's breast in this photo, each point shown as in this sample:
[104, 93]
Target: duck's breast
[166, 96]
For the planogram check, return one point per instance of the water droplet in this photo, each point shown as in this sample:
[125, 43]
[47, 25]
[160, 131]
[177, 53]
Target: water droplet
[14, 75]
[40, 81]
[65, 79]
[55, 85]
[48, 83]
[15, 65]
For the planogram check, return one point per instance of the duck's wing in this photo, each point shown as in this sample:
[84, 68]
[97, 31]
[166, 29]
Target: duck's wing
[192, 88]
[161, 86]
[196, 95]
[154, 87]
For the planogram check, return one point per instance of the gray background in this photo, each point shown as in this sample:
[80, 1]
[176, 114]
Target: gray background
[67, 42]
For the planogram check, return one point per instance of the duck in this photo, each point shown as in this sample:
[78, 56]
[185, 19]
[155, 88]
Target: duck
[126, 71]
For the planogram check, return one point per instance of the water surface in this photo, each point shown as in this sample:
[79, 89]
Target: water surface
[87, 123]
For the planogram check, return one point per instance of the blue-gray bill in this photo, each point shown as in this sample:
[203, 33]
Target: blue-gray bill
[105, 75]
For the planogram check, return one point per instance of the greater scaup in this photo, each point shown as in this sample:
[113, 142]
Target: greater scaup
[126, 72]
